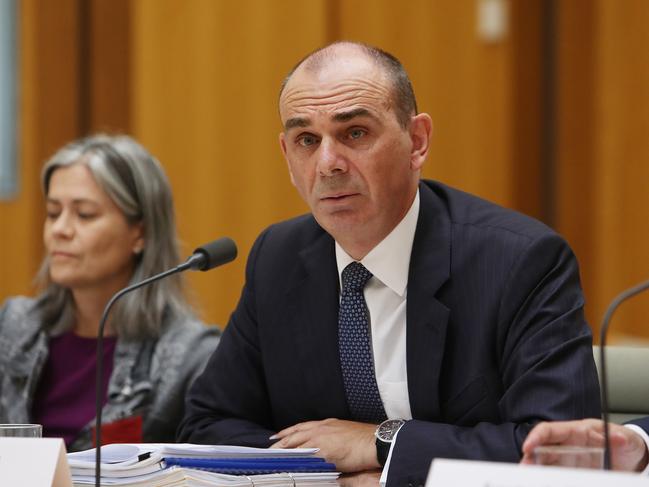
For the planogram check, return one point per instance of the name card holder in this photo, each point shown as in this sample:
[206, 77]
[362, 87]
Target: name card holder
[37, 462]
[447, 473]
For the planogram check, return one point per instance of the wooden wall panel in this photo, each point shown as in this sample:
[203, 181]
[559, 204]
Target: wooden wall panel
[197, 82]
[622, 151]
[529, 105]
[483, 95]
[604, 152]
[205, 82]
[107, 30]
[67, 89]
[575, 184]
[49, 83]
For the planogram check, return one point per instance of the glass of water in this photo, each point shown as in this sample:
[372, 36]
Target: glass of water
[570, 456]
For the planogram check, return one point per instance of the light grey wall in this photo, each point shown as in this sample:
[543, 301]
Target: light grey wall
[8, 99]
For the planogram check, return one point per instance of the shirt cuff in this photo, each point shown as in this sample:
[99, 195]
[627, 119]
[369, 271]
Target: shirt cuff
[643, 434]
[384, 474]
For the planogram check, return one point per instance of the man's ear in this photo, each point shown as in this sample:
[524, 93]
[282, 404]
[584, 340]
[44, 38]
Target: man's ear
[282, 145]
[421, 131]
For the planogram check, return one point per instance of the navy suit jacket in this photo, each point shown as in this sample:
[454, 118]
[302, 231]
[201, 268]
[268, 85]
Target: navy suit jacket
[496, 338]
[642, 422]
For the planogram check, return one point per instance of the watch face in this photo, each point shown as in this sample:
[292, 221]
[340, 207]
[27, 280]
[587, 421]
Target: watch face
[387, 429]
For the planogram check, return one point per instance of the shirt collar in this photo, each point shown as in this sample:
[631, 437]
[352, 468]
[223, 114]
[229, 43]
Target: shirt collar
[389, 261]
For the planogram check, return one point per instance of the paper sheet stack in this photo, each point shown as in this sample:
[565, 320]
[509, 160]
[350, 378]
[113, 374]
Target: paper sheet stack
[179, 465]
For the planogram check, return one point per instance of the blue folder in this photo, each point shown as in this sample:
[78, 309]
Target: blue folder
[253, 466]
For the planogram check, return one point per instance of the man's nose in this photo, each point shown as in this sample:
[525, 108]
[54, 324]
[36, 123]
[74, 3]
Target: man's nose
[331, 160]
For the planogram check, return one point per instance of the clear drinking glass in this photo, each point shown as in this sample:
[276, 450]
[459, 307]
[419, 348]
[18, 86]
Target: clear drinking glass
[570, 456]
[21, 430]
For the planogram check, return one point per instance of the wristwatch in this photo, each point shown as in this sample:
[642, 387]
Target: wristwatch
[385, 434]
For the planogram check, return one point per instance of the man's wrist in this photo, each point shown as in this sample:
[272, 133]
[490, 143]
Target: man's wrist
[385, 434]
[642, 465]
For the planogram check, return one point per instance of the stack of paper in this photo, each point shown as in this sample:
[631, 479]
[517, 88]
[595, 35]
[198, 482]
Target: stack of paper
[153, 464]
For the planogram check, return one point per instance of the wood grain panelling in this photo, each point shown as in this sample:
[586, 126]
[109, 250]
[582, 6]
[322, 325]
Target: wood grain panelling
[604, 151]
[528, 107]
[465, 83]
[622, 114]
[196, 81]
[49, 83]
[575, 185]
[108, 76]
[56, 107]
[205, 82]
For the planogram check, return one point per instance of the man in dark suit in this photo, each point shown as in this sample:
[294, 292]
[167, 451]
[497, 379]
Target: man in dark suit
[457, 320]
[628, 443]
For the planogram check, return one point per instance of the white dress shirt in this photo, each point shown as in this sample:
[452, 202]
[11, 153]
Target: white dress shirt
[385, 294]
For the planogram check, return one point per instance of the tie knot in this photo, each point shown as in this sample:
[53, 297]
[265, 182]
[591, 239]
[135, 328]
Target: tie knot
[355, 276]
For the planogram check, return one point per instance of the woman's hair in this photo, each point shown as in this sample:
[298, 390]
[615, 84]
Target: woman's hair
[137, 184]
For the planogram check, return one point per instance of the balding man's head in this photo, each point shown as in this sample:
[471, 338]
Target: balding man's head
[403, 98]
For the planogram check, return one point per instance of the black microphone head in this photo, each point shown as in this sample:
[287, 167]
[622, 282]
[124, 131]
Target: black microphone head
[214, 254]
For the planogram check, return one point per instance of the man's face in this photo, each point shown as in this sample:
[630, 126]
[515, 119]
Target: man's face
[348, 157]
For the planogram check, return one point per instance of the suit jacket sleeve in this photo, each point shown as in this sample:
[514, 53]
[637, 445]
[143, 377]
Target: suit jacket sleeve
[228, 403]
[544, 353]
[642, 423]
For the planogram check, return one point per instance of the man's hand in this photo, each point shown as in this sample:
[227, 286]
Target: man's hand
[349, 445]
[628, 449]
[370, 478]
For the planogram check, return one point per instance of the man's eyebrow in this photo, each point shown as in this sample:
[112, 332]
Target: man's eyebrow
[296, 122]
[347, 116]
[337, 117]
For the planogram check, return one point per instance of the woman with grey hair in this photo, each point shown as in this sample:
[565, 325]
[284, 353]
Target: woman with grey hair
[110, 222]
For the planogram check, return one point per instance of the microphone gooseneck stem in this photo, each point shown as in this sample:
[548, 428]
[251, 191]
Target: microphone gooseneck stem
[619, 299]
[209, 256]
[99, 402]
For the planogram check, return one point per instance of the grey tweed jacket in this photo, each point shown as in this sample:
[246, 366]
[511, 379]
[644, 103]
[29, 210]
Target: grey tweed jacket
[149, 377]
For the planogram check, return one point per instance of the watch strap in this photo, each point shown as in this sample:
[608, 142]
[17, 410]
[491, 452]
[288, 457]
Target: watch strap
[382, 451]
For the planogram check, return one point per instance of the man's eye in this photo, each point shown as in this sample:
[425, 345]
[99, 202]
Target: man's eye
[307, 140]
[356, 133]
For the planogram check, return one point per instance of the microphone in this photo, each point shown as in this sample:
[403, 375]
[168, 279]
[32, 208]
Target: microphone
[619, 299]
[211, 255]
[204, 258]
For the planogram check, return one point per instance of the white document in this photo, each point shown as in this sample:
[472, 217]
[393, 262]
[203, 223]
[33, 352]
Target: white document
[36, 462]
[141, 464]
[129, 453]
[185, 477]
[466, 473]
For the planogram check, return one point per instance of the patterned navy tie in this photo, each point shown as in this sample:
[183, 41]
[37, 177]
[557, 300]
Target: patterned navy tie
[356, 348]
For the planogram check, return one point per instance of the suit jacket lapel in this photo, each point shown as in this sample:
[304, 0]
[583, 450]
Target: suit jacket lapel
[426, 316]
[314, 306]
[313, 312]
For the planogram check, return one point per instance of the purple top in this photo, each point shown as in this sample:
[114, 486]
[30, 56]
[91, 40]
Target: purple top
[65, 397]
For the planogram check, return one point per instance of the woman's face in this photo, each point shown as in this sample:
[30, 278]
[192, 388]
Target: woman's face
[89, 242]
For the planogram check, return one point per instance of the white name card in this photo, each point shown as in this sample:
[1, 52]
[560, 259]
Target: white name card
[447, 473]
[37, 462]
